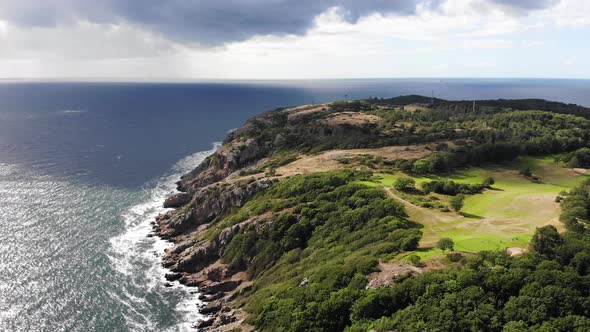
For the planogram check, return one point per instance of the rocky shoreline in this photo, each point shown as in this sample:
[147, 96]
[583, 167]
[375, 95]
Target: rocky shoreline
[205, 194]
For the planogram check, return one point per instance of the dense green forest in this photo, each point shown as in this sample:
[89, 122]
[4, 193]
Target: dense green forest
[311, 265]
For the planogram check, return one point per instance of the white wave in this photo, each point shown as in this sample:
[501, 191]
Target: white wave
[134, 251]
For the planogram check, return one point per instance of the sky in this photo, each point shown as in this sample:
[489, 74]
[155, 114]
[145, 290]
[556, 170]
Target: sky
[293, 39]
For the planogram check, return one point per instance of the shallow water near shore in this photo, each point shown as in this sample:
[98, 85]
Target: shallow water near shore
[84, 168]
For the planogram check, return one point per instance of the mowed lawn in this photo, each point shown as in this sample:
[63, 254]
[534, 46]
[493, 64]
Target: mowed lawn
[503, 217]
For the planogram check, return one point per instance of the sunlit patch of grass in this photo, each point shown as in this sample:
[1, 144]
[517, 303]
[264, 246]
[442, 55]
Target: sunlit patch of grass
[502, 217]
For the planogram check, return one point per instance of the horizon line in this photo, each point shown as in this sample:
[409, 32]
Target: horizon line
[205, 80]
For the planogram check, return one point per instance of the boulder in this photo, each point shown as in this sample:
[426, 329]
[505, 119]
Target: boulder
[177, 200]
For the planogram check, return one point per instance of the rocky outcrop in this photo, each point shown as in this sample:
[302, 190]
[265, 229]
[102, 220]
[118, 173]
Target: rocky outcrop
[177, 200]
[194, 256]
[207, 204]
[230, 157]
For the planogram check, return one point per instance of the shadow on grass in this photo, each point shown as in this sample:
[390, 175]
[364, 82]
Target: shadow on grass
[424, 249]
[495, 189]
[470, 215]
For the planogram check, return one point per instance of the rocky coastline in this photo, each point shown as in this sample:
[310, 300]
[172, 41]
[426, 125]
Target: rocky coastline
[205, 194]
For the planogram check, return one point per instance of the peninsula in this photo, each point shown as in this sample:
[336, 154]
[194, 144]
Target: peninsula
[401, 214]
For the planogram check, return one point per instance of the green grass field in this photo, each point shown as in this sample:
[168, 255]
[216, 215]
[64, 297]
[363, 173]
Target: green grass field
[505, 216]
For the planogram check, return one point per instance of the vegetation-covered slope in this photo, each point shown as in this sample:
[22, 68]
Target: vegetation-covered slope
[298, 222]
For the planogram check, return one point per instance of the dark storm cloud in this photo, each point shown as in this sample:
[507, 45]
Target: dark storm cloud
[203, 21]
[213, 22]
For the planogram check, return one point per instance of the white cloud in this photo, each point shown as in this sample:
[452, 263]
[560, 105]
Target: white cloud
[571, 13]
[532, 43]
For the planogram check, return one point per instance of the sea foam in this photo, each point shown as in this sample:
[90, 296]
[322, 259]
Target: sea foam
[133, 252]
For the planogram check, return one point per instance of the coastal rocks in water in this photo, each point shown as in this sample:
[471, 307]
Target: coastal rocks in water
[206, 323]
[177, 200]
[211, 308]
[172, 276]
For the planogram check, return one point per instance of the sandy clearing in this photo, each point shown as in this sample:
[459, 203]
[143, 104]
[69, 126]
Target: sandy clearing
[304, 110]
[515, 251]
[389, 272]
[351, 118]
[328, 160]
[416, 107]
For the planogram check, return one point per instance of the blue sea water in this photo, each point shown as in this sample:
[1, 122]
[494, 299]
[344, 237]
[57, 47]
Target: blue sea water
[84, 168]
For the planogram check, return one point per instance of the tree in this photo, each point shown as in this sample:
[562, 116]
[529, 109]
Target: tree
[546, 240]
[581, 263]
[488, 182]
[457, 202]
[445, 244]
[405, 184]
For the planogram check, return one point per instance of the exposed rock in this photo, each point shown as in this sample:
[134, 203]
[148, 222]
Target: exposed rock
[226, 160]
[217, 273]
[214, 297]
[209, 203]
[223, 286]
[224, 319]
[211, 308]
[172, 276]
[304, 282]
[177, 200]
[193, 259]
[205, 323]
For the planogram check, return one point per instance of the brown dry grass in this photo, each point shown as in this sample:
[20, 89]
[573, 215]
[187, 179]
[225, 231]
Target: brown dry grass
[416, 107]
[299, 112]
[328, 160]
[351, 118]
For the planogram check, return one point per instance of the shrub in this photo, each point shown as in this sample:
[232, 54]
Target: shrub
[415, 260]
[445, 244]
[457, 202]
[405, 184]
[455, 256]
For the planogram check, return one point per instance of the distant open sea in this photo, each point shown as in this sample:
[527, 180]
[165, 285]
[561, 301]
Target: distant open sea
[84, 168]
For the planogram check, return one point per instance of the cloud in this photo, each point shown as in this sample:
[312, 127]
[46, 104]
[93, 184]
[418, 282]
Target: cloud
[206, 22]
[527, 4]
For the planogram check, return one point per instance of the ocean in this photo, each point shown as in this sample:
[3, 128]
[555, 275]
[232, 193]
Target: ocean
[85, 167]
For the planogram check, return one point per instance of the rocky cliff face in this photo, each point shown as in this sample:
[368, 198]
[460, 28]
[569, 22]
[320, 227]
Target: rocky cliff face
[229, 158]
[197, 262]
[206, 204]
